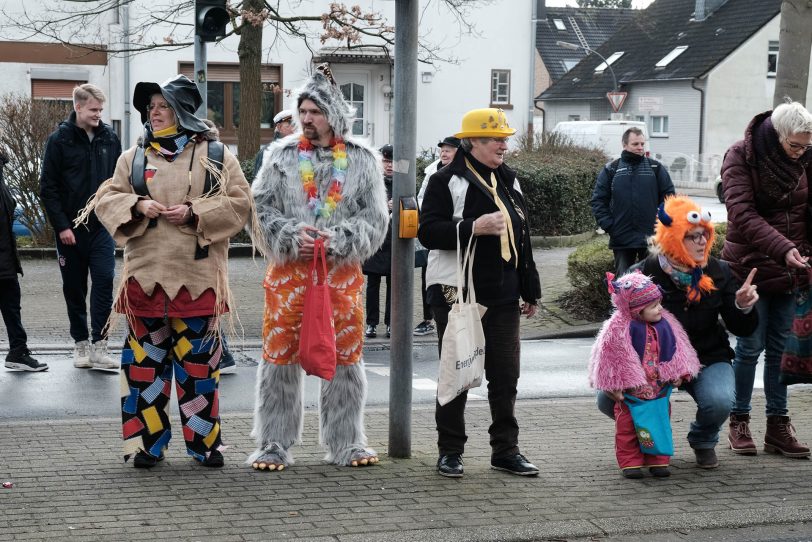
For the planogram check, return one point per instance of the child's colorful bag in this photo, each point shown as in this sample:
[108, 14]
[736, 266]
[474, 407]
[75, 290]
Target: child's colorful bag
[652, 422]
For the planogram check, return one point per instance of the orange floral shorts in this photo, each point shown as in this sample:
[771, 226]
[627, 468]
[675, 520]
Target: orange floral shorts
[284, 300]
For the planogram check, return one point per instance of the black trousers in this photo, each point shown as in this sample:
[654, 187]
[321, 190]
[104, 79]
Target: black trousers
[427, 313]
[373, 300]
[627, 257]
[12, 317]
[501, 326]
[94, 252]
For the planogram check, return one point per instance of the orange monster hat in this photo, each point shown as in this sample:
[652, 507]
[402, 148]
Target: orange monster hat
[675, 218]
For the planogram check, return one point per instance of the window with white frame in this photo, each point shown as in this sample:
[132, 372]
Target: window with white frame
[354, 94]
[640, 118]
[600, 68]
[659, 126]
[667, 59]
[772, 59]
[559, 24]
[500, 87]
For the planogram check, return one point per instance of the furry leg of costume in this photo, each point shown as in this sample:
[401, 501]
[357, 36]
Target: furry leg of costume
[278, 413]
[341, 412]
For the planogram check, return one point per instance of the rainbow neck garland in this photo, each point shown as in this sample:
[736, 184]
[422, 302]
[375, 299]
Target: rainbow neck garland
[321, 208]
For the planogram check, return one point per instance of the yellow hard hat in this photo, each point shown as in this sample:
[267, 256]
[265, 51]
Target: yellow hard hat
[490, 122]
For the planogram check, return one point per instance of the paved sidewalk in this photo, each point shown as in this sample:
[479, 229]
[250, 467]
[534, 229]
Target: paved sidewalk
[70, 484]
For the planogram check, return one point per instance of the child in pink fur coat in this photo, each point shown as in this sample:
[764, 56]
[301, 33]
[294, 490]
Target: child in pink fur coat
[639, 350]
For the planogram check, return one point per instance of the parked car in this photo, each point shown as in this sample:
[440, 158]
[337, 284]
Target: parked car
[602, 134]
[717, 187]
[19, 229]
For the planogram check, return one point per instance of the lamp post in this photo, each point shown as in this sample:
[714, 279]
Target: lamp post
[575, 47]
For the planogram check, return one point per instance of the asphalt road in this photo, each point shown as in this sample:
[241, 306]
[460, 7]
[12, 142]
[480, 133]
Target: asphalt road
[554, 368]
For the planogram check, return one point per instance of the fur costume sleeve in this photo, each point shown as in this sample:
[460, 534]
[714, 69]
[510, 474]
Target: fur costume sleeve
[684, 362]
[615, 365]
[279, 218]
[223, 213]
[362, 225]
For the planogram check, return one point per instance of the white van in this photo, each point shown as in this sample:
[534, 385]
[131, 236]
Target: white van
[602, 134]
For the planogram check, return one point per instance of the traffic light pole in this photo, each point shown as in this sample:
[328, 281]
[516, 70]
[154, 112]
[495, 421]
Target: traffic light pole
[404, 146]
[201, 76]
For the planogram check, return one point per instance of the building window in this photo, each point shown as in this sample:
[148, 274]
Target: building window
[354, 94]
[640, 118]
[772, 59]
[559, 24]
[223, 97]
[500, 88]
[609, 61]
[659, 126]
[573, 117]
[675, 52]
[569, 64]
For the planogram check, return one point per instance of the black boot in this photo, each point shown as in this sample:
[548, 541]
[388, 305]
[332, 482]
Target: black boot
[20, 359]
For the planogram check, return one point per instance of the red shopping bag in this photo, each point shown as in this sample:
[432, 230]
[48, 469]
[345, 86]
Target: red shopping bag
[317, 340]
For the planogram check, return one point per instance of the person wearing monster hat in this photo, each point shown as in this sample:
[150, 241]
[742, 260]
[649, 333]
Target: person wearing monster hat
[698, 289]
[319, 185]
[174, 202]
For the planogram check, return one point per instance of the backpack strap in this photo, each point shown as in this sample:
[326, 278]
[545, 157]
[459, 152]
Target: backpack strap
[137, 179]
[216, 155]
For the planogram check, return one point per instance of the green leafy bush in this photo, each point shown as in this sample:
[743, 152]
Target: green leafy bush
[557, 179]
[586, 270]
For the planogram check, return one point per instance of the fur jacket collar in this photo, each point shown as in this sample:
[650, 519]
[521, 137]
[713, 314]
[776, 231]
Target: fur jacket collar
[615, 363]
[358, 225]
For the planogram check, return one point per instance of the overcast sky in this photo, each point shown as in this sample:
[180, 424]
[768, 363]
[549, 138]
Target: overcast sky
[558, 3]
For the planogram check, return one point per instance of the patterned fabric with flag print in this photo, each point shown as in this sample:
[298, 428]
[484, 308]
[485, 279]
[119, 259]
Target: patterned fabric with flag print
[154, 350]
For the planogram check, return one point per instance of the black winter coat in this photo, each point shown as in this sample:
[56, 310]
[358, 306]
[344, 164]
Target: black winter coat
[9, 259]
[625, 205]
[381, 262]
[73, 169]
[701, 321]
[438, 228]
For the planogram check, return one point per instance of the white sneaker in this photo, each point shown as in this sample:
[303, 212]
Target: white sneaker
[100, 359]
[81, 355]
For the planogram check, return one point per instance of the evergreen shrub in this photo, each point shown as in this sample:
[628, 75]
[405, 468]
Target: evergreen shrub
[557, 179]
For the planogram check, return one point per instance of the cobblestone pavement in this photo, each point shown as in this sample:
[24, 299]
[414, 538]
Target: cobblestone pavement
[45, 317]
[69, 483]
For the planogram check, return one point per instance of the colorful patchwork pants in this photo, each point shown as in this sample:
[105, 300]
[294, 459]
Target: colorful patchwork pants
[153, 351]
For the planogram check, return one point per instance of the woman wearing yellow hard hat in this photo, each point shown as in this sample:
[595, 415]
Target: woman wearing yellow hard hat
[479, 196]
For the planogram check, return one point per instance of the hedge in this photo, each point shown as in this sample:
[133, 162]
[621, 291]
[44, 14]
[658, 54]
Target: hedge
[557, 179]
[586, 270]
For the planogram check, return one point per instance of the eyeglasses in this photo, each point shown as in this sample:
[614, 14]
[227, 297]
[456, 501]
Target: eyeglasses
[697, 237]
[797, 146]
[159, 107]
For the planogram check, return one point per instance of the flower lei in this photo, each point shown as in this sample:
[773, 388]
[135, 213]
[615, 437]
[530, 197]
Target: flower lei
[322, 208]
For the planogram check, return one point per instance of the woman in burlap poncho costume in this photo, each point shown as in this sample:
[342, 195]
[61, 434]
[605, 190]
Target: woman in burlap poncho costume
[175, 276]
[316, 183]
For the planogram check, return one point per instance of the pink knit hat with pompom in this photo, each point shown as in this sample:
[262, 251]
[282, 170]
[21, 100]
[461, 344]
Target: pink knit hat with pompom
[633, 291]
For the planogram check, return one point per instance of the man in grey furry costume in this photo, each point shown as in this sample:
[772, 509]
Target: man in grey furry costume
[316, 185]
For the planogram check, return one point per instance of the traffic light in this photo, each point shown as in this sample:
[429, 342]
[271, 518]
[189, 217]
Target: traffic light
[211, 18]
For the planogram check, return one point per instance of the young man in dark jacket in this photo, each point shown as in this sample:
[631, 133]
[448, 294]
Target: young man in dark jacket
[19, 357]
[626, 197]
[79, 156]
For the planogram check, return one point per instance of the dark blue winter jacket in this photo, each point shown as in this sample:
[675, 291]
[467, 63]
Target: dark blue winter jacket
[626, 196]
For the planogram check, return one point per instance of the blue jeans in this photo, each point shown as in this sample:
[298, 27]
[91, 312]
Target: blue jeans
[712, 390]
[775, 314]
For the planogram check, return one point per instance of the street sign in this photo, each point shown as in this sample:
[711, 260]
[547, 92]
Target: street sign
[616, 99]
[649, 104]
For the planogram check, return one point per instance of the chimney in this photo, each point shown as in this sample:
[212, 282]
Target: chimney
[704, 8]
[541, 10]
